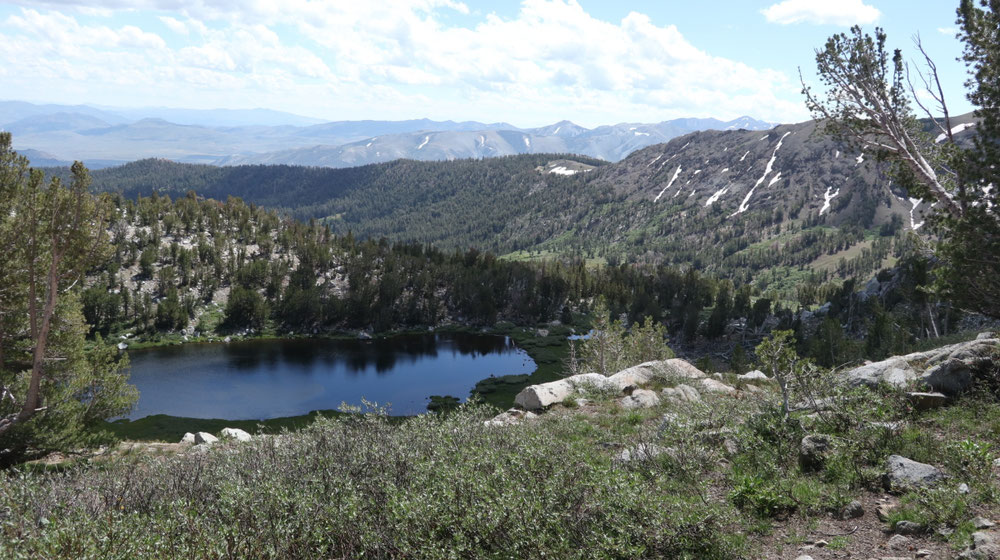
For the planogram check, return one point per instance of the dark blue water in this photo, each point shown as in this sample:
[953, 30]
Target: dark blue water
[274, 378]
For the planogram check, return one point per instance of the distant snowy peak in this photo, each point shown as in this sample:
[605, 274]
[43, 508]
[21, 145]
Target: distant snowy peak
[564, 129]
[748, 123]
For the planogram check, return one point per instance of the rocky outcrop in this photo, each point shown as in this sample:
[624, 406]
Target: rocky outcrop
[188, 438]
[544, 395]
[948, 370]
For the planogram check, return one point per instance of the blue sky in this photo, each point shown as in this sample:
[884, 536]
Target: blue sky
[528, 63]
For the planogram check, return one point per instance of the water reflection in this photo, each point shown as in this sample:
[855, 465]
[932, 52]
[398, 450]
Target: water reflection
[267, 379]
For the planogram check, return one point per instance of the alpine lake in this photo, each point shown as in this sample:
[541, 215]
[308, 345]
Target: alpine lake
[275, 378]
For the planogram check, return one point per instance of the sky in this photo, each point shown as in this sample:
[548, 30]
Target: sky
[528, 63]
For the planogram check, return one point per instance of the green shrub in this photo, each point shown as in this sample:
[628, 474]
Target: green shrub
[360, 486]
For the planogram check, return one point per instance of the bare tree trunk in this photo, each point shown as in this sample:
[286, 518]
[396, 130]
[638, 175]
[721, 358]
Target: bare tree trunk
[32, 398]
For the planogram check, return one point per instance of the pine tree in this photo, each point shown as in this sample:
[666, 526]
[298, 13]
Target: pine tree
[51, 389]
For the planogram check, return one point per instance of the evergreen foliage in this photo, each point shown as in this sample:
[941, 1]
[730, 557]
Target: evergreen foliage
[53, 392]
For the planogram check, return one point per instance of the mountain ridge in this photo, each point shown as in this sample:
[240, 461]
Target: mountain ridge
[227, 137]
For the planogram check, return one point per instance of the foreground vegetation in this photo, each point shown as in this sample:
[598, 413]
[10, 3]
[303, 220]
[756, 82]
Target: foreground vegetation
[728, 477]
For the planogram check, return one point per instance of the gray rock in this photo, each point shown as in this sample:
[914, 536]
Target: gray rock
[948, 369]
[895, 371]
[908, 528]
[235, 434]
[926, 401]
[984, 547]
[904, 473]
[963, 488]
[986, 335]
[188, 438]
[682, 394]
[679, 368]
[639, 375]
[204, 437]
[981, 539]
[640, 398]
[982, 523]
[813, 451]
[715, 386]
[852, 510]
[804, 557]
[950, 377]
[512, 416]
[751, 375]
[898, 542]
[641, 452]
[595, 381]
[537, 397]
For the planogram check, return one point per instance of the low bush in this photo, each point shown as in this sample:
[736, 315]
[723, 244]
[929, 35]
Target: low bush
[360, 486]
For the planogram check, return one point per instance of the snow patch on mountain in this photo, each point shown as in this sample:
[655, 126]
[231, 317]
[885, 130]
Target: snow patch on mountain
[827, 197]
[560, 170]
[767, 171]
[424, 143]
[954, 130]
[718, 194]
[913, 225]
[671, 182]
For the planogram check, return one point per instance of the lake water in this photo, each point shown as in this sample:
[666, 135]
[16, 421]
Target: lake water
[263, 379]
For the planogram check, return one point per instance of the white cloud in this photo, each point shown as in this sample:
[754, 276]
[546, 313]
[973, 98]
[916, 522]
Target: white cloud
[175, 25]
[950, 31]
[396, 59]
[835, 12]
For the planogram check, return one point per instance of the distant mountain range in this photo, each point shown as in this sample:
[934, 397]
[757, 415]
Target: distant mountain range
[109, 136]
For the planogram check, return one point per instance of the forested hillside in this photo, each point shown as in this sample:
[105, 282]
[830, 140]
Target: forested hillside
[779, 209]
[198, 265]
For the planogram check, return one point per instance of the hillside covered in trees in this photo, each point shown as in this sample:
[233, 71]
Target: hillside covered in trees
[788, 209]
